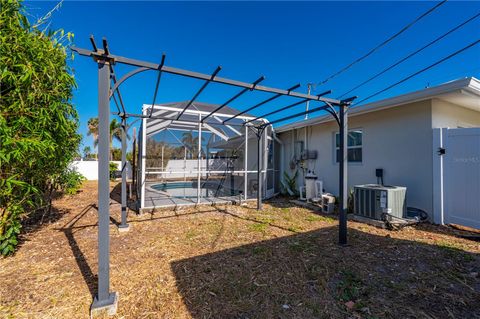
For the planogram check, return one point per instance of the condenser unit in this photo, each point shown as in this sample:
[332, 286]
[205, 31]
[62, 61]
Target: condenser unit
[373, 201]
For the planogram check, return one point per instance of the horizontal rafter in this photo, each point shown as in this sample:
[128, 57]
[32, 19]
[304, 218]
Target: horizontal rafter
[201, 76]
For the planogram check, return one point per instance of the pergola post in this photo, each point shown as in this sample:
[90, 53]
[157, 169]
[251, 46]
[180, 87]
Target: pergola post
[123, 224]
[343, 173]
[104, 298]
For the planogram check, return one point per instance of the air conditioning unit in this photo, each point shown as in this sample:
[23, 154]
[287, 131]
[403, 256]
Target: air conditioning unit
[373, 200]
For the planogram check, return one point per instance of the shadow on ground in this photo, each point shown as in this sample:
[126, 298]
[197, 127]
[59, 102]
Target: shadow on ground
[39, 219]
[116, 196]
[69, 230]
[308, 275]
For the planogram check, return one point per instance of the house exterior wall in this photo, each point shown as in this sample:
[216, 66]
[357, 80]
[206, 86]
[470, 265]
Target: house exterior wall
[446, 114]
[398, 139]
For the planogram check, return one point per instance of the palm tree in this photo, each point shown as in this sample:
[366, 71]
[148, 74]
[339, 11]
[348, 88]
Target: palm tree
[92, 125]
[191, 143]
[115, 132]
[87, 151]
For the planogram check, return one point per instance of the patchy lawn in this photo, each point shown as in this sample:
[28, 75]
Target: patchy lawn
[232, 262]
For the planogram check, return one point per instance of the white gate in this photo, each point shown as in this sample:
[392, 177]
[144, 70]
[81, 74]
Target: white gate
[457, 175]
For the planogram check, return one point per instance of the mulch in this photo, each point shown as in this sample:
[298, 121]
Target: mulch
[237, 262]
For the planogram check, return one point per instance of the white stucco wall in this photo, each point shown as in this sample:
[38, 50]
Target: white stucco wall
[399, 140]
[89, 169]
[446, 114]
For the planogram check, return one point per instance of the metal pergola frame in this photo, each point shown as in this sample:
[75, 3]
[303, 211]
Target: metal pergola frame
[109, 88]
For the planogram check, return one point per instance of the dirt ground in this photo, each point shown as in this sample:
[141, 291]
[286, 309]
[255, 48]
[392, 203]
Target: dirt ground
[236, 262]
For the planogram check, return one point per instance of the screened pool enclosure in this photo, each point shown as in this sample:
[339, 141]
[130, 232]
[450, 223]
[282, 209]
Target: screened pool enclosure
[200, 159]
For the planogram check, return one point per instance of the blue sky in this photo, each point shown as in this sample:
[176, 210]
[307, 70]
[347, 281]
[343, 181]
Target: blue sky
[287, 42]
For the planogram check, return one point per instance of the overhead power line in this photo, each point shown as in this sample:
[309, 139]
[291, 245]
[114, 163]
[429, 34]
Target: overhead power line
[412, 54]
[421, 71]
[383, 43]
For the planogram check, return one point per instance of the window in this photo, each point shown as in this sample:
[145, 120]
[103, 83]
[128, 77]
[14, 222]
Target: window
[354, 146]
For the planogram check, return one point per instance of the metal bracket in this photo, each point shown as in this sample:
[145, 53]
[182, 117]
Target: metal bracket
[99, 55]
[333, 112]
[126, 76]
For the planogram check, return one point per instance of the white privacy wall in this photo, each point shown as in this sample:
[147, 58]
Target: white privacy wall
[89, 169]
[456, 176]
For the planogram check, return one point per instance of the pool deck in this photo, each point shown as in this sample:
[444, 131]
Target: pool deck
[157, 199]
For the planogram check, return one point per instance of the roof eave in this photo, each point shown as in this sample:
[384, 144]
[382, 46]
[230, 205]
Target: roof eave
[470, 84]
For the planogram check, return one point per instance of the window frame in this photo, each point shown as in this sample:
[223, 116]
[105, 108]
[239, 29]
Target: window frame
[335, 148]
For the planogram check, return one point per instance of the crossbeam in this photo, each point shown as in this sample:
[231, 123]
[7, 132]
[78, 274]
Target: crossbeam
[200, 76]
[236, 96]
[317, 109]
[276, 96]
[204, 86]
[286, 107]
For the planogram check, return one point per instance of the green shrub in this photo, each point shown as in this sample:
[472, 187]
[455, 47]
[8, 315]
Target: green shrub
[113, 168]
[70, 181]
[38, 123]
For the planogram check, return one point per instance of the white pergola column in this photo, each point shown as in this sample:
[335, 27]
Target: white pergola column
[245, 159]
[199, 175]
[143, 155]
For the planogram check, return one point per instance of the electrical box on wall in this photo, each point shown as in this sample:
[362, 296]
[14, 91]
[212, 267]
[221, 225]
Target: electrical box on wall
[309, 155]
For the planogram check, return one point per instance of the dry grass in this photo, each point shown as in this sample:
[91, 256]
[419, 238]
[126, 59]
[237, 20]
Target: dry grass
[232, 262]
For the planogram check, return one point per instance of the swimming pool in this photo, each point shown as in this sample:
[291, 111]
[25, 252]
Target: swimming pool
[189, 189]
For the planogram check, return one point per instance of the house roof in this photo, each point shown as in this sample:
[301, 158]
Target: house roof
[463, 92]
[164, 116]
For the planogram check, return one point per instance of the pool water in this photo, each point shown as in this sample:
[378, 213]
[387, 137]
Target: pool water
[189, 189]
